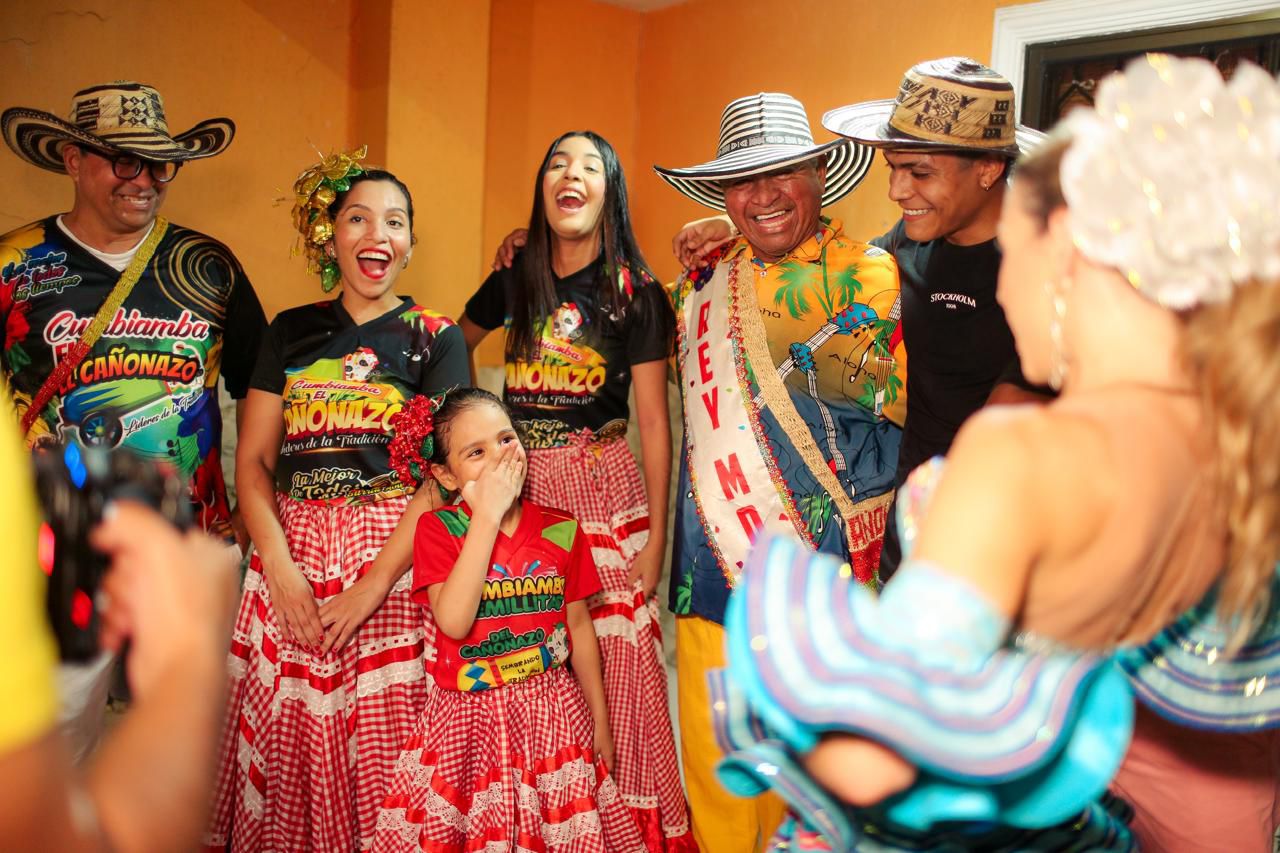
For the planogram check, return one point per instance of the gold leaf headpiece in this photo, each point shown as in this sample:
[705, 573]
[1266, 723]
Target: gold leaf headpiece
[316, 189]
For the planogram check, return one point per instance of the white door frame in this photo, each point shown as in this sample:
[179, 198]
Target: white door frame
[1054, 20]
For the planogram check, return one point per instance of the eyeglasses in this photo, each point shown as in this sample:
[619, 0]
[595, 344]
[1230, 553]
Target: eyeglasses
[126, 167]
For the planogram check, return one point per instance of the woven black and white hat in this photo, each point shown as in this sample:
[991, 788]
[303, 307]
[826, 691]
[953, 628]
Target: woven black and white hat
[123, 117]
[955, 104]
[764, 132]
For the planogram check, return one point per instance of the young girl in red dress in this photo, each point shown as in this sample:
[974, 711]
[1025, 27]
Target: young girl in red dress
[513, 747]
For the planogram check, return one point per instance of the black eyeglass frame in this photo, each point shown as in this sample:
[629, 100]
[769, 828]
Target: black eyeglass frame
[121, 169]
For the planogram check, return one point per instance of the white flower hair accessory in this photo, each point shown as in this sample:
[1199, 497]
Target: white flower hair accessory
[1174, 178]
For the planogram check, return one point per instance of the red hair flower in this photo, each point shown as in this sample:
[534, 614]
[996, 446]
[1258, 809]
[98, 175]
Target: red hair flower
[413, 440]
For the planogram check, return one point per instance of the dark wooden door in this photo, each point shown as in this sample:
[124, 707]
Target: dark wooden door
[1063, 74]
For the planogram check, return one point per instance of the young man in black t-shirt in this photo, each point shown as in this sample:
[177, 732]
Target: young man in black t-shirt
[949, 139]
[959, 345]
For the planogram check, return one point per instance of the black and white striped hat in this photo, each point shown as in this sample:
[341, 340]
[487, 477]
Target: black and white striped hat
[761, 133]
[122, 117]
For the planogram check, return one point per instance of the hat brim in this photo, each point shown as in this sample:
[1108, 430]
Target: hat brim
[37, 137]
[867, 122]
[847, 165]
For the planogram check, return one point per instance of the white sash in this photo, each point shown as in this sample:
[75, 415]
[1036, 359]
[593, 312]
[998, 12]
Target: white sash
[733, 490]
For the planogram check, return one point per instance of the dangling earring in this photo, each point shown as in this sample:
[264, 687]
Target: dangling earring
[405, 265]
[1057, 351]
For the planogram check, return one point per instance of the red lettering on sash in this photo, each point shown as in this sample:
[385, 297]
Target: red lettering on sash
[703, 311]
[704, 361]
[731, 477]
[867, 527]
[750, 521]
[712, 402]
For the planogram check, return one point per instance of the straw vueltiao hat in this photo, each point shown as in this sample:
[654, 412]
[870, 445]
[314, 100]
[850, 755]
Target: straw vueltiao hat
[954, 103]
[123, 117]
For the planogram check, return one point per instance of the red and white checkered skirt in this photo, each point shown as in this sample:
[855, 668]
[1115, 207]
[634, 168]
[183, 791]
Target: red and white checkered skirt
[600, 484]
[310, 742]
[510, 768]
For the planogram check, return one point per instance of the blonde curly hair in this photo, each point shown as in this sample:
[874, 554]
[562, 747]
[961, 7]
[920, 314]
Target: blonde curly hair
[1233, 351]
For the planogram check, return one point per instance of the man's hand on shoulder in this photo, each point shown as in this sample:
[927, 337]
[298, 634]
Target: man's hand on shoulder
[511, 246]
[695, 242]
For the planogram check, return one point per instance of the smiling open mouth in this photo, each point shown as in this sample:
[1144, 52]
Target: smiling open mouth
[765, 218]
[570, 201]
[374, 262]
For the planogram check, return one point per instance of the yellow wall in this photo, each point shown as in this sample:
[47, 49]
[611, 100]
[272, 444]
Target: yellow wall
[460, 98]
[435, 125]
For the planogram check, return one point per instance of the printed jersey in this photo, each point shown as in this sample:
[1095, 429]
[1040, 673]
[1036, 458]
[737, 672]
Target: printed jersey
[150, 382]
[521, 626]
[584, 376]
[341, 383]
[830, 311]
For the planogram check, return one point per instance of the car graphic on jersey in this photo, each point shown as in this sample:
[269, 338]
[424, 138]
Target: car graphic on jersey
[96, 413]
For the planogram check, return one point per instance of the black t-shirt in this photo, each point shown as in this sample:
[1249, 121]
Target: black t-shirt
[584, 376]
[340, 384]
[958, 341]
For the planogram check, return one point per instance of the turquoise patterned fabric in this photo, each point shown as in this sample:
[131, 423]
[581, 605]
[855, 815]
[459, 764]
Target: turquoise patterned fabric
[1187, 675]
[999, 735]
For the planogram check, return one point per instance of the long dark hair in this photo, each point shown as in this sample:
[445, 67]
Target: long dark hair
[536, 300]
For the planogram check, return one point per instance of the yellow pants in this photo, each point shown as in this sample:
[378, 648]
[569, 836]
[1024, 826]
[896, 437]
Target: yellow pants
[722, 823]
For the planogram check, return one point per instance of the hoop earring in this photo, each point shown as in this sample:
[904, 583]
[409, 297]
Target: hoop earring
[1057, 350]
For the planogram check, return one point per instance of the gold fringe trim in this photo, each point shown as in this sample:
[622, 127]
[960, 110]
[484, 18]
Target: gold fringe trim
[755, 345]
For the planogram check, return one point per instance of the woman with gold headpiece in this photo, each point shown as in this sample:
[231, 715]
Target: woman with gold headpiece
[327, 660]
[986, 698]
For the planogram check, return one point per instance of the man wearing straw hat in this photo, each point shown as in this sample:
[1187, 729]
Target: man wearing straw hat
[790, 367]
[948, 137]
[114, 323]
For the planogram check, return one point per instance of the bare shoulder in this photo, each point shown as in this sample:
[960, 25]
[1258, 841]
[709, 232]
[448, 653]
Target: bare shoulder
[1057, 445]
[1010, 493]
[1058, 460]
[991, 467]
